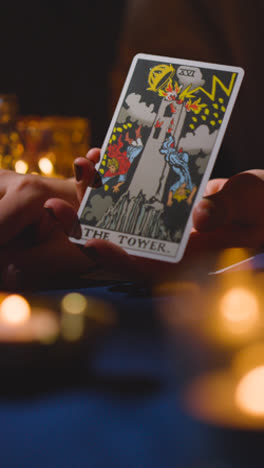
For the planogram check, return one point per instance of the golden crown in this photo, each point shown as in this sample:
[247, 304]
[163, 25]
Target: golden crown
[159, 76]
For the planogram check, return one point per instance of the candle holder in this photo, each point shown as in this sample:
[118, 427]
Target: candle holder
[51, 144]
[42, 145]
[11, 148]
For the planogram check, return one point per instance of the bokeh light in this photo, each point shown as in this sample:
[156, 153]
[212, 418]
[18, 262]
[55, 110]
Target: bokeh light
[14, 310]
[46, 166]
[21, 166]
[74, 303]
[73, 306]
[239, 310]
[45, 325]
[249, 394]
[72, 326]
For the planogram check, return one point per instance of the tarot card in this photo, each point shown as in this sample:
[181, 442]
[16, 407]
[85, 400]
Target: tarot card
[158, 154]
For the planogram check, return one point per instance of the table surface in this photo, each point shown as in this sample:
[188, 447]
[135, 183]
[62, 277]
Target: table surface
[117, 406]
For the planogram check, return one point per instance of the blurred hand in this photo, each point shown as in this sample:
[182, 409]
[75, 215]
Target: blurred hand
[230, 215]
[21, 204]
[31, 240]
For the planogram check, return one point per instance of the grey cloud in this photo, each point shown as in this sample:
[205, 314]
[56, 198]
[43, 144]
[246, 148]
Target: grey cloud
[97, 208]
[137, 111]
[201, 163]
[199, 140]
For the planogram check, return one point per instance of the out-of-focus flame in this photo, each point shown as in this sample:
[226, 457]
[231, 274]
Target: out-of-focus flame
[21, 166]
[239, 310]
[74, 303]
[249, 395]
[46, 166]
[14, 310]
[73, 321]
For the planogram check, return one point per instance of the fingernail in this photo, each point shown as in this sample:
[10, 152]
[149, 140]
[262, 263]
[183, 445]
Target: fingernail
[76, 231]
[51, 212]
[78, 170]
[97, 182]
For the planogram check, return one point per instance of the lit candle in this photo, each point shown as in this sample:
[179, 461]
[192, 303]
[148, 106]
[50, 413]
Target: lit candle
[46, 166]
[217, 331]
[249, 394]
[221, 399]
[20, 323]
[233, 396]
[81, 315]
[235, 317]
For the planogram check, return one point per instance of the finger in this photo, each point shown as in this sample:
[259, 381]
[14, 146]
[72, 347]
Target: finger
[209, 214]
[214, 186]
[64, 214]
[239, 201]
[114, 259]
[14, 217]
[57, 260]
[94, 155]
[231, 235]
[109, 254]
[85, 175]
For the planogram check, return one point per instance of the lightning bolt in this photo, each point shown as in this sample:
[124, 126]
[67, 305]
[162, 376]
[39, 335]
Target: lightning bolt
[190, 94]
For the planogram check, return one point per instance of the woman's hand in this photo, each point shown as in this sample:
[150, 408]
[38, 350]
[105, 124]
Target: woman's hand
[231, 213]
[22, 198]
[31, 241]
[229, 216]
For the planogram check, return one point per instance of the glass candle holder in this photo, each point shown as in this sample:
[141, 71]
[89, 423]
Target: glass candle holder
[11, 148]
[51, 144]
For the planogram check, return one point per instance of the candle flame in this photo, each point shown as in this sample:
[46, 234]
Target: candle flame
[45, 166]
[21, 166]
[14, 310]
[74, 303]
[249, 395]
[239, 309]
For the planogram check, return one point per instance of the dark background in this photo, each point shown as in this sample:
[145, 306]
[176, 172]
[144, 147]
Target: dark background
[57, 60]
[72, 60]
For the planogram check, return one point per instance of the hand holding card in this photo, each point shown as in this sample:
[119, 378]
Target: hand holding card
[158, 155]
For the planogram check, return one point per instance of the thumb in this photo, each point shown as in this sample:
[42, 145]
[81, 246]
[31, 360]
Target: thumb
[240, 201]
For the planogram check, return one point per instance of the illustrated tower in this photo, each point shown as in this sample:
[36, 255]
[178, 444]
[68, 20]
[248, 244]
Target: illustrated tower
[169, 121]
[139, 210]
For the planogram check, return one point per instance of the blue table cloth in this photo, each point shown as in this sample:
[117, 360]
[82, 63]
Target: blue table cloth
[119, 408]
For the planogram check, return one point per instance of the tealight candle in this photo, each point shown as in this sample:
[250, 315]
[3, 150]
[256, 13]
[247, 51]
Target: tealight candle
[82, 316]
[21, 323]
[221, 399]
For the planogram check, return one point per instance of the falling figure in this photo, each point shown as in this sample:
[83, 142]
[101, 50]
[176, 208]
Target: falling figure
[119, 163]
[183, 188]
